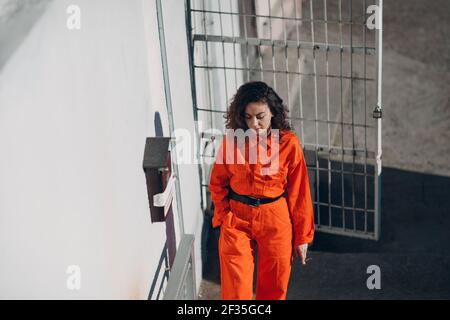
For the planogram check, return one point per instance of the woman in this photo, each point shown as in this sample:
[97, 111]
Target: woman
[260, 203]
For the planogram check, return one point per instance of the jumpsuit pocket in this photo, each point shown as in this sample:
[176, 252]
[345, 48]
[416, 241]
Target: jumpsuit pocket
[279, 213]
[275, 179]
[228, 220]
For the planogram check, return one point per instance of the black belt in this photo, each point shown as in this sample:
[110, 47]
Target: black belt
[251, 201]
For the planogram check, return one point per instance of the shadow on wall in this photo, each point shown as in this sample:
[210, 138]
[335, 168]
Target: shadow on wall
[17, 18]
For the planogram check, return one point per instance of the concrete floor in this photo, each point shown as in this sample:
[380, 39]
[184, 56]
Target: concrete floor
[414, 250]
[413, 253]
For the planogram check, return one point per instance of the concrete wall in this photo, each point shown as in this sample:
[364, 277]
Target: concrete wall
[75, 109]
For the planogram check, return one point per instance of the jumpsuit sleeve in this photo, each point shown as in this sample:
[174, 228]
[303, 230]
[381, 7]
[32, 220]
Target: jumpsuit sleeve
[299, 197]
[218, 187]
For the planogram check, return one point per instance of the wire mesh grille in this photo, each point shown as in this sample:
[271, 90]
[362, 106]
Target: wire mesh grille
[321, 57]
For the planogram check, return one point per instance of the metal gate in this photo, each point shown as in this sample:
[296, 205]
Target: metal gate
[323, 58]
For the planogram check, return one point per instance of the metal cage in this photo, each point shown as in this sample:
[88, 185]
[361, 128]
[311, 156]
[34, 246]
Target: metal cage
[325, 61]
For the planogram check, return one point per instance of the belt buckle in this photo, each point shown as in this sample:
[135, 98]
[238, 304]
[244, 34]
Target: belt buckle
[258, 202]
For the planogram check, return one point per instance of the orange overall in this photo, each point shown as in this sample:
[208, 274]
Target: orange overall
[274, 227]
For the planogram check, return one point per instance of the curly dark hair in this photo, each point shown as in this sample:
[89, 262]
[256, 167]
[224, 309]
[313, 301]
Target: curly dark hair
[256, 91]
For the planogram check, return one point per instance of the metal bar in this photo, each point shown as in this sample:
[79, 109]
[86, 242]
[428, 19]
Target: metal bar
[325, 150]
[365, 121]
[339, 171]
[246, 46]
[353, 115]
[282, 71]
[206, 57]
[208, 80]
[379, 37]
[274, 83]
[234, 50]
[316, 114]
[286, 58]
[190, 46]
[211, 110]
[168, 97]
[165, 274]
[183, 264]
[342, 113]
[340, 231]
[313, 167]
[333, 206]
[223, 57]
[259, 52]
[289, 43]
[164, 278]
[328, 112]
[344, 207]
[331, 122]
[214, 109]
[299, 73]
[275, 17]
[337, 150]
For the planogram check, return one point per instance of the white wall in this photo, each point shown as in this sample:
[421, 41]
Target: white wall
[75, 109]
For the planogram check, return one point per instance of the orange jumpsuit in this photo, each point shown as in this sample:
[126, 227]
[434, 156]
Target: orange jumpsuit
[274, 227]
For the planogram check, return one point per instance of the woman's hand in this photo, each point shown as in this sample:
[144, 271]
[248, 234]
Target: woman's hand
[301, 251]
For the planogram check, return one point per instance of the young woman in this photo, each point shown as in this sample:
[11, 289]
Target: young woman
[264, 204]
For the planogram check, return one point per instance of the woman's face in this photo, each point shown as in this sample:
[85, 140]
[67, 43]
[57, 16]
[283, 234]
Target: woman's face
[258, 116]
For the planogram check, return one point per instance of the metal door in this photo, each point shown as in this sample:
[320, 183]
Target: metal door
[324, 59]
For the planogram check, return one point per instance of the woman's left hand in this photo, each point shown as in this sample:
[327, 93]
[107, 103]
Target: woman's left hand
[301, 251]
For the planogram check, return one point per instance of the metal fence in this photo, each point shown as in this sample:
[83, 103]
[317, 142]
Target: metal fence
[181, 284]
[325, 62]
